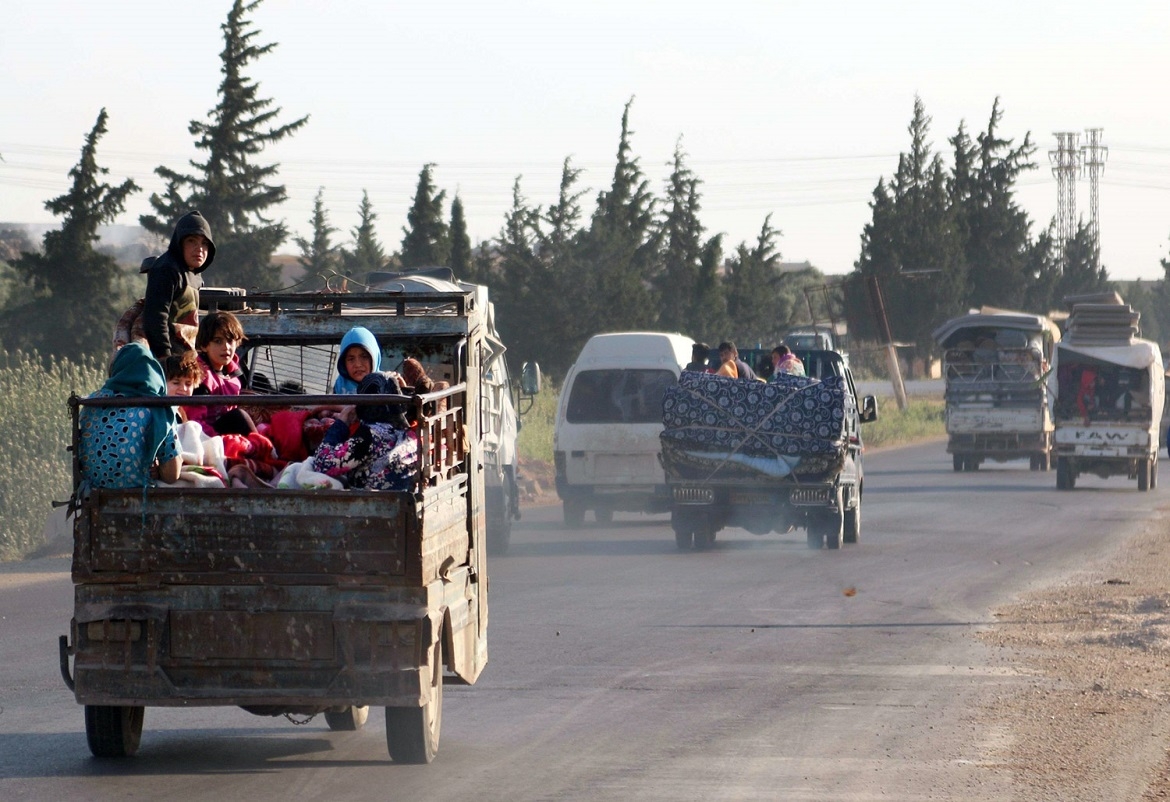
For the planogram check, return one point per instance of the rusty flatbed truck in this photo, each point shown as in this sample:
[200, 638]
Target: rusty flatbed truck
[296, 602]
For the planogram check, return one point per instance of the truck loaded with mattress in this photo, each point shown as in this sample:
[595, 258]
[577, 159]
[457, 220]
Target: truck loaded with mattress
[766, 457]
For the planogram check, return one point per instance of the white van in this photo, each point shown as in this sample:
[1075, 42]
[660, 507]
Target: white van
[609, 418]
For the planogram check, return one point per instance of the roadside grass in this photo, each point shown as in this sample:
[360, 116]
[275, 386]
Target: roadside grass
[535, 441]
[923, 418]
[34, 438]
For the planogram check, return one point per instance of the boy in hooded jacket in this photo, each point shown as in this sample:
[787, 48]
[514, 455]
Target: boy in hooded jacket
[172, 285]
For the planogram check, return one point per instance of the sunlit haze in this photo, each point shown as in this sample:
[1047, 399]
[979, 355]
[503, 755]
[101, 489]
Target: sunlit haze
[789, 108]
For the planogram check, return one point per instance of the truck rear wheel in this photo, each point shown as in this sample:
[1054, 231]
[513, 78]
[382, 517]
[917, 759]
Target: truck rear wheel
[1065, 479]
[826, 526]
[1144, 475]
[412, 733]
[1154, 472]
[957, 461]
[347, 720]
[683, 539]
[603, 515]
[574, 513]
[113, 731]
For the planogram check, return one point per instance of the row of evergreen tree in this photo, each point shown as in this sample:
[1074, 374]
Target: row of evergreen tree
[939, 241]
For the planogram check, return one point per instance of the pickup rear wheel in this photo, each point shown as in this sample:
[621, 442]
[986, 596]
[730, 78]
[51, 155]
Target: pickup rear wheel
[957, 460]
[853, 523]
[347, 720]
[684, 539]
[113, 731]
[412, 733]
[603, 515]
[1065, 478]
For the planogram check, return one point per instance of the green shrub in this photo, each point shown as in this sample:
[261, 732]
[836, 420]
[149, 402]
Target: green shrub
[34, 437]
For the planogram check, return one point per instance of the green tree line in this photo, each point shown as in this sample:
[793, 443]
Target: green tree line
[945, 234]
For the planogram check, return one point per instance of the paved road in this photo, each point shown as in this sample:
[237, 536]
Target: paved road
[622, 669]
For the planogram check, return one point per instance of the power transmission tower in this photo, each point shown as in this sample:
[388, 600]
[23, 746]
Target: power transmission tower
[1065, 162]
[1093, 156]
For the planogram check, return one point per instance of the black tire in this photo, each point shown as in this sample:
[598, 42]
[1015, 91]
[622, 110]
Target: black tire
[348, 720]
[113, 731]
[705, 537]
[814, 536]
[574, 513]
[412, 733]
[958, 461]
[973, 463]
[826, 526]
[684, 539]
[1065, 480]
[603, 515]
[499, 520]
[1154, 473]
[853, 524]
[1144, 475]
[1034, 463]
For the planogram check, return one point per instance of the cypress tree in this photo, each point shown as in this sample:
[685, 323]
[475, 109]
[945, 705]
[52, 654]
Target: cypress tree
[682, 238]
[620, 247]
[75, 293]
[233, 192]
[368, 254]
[426, 238]
[750, 284]
[995, 231]
[319, 255]
[460, 259]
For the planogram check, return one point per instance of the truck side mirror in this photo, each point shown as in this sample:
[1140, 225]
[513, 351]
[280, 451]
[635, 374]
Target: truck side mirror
[869, 410]
[530, 378]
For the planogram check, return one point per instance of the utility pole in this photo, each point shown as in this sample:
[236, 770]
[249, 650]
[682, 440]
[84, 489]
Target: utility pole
[1065, 162]
[879, 310]
[1094, 155]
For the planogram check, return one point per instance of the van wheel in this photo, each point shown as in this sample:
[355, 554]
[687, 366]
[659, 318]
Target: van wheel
[113, 731]
[574, 513]
[412, 733]
[347, 720]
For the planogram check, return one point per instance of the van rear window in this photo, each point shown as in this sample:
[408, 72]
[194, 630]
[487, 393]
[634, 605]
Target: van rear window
[618, 396]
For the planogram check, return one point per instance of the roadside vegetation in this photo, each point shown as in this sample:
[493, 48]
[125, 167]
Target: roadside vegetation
[923, 418]
[34, 439]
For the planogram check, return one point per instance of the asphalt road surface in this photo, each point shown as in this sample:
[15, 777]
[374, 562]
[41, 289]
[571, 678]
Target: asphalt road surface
[622, 669]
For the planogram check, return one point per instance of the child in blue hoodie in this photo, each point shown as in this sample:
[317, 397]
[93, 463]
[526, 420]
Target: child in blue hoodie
[360, 356]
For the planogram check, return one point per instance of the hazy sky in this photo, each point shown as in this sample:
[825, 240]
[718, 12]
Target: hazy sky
[789, 108]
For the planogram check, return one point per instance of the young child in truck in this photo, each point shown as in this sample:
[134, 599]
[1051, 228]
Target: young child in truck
[360, 355]
[184, 374]
[381, 453]
[216, 341]
[128, 447]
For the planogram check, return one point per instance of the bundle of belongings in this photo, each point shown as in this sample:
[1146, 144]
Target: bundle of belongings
[715, 425]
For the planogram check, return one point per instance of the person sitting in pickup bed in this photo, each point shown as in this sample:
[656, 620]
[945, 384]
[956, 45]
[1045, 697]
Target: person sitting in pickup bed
[128, 447]
[360, 355]
[785, 362]
[381, 453]
[219, 335]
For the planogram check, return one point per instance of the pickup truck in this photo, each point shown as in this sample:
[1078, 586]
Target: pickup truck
[767, 457]
[297, 602]
[996, 399]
